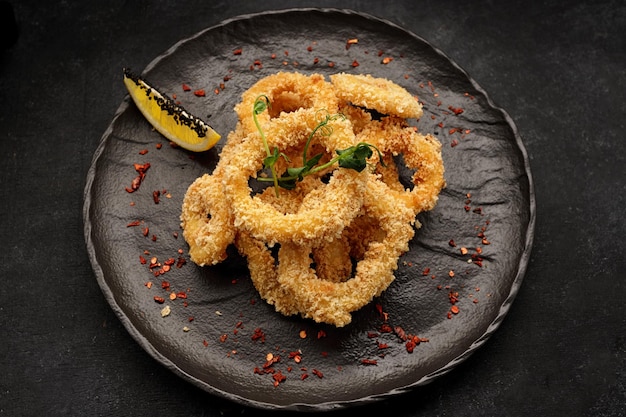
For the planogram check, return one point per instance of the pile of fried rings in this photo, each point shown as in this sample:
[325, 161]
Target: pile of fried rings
[331, 245]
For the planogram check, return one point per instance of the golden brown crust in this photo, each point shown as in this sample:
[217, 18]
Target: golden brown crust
[340, 232]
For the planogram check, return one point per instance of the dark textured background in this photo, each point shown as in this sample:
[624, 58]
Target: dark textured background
[557, 67]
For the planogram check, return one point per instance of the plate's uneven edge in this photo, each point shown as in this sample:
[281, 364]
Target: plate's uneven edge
[142, 341]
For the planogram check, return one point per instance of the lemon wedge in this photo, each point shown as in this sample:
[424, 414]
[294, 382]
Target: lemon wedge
[169, 118]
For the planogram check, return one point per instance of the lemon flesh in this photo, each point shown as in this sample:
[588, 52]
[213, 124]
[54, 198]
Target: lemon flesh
[169, 118]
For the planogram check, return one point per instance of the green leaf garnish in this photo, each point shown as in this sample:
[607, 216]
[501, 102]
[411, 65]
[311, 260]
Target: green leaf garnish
[354, 157]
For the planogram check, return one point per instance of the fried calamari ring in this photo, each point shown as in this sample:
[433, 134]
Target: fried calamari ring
[287, 92]
[421, 153]
[323, 212]
[378, 94]
[207, 222]
[206, 218]
[332, 259]
[333, 302]
[262, 267]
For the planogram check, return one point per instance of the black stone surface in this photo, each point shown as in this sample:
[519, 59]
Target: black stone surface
[556, 68]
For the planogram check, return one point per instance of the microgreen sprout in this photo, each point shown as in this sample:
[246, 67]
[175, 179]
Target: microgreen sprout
[354, 157]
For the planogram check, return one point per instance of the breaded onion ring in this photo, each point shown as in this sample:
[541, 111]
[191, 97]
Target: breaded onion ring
[378, 94]
[333, 302]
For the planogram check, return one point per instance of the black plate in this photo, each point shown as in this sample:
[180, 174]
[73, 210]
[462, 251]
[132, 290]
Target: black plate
[488, 204]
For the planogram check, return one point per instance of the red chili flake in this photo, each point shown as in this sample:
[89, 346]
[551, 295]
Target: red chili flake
[133, 223]
[386, 328]
[467, 208]
[369, 361]
[223, 338]
[273, 56]
[454, 309]
[454, 143]
[317, 373]
[399, 331]
[451, 243]
[186, 87]
[410, 345]
[181, 294]
[453, 131]
[199, 93]
[453, 296]
[156, 196]
[455, 110]
[304, 376]
[134, 185]
[331, 64]
[355, 63]
[142, 260]
[380, 53]
[382, 345]
[237, 51]
[154, 238]
[180, 262]
[321, 334]
[159, 145]
[278, 377]
[316, 60]
[165, 285]
[387, 60]
[143, 152]
[158, 299]
[309, 48]
[142, 168]
[258, 335]
[426, 271]
[372, 335]
[205, 343]
[145, 231]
